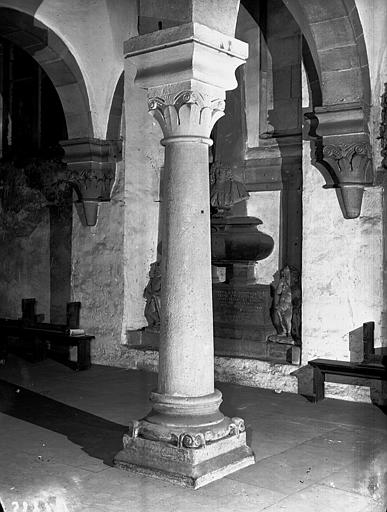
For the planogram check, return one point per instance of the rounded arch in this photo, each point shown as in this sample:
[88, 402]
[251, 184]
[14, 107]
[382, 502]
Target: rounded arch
[115, 114]
[334, 34]
[51, 53]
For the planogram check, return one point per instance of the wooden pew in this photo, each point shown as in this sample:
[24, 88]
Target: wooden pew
[42, 337]
[373, 366]
[322, 367]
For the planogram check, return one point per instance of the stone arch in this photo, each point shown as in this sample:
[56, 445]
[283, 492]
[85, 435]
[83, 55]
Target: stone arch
[335, 38]
[115, 114]
[52, 54]
[338, 125]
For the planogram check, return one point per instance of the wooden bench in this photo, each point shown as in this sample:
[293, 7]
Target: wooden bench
[43, 338]
[322, 367]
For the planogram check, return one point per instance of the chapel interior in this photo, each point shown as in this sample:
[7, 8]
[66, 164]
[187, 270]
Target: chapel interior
[193, 255]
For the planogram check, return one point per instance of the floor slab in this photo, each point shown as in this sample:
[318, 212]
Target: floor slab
[61, 429]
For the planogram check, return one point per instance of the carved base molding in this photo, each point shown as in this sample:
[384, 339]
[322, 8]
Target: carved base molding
[185, 440]
[191, 458]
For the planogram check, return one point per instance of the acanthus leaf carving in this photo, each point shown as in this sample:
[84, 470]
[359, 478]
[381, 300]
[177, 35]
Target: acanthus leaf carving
[350, 163]
[348, 168]
[187, 113]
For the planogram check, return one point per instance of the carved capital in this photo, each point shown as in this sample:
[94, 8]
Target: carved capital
[91, 164]
[186, 114]
[186, 70]
[348, 168]
[350, 164]
[341, 151]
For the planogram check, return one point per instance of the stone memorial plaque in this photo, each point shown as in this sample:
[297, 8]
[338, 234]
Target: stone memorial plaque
[242, 312]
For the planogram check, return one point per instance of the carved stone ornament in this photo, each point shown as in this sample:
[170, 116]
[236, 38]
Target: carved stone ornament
[152, 295]
[285, 311]
[225, 190]
[183, 438]
[342, 152]
[187, 113]
[93, 184]
[350, 167]
[91, 164]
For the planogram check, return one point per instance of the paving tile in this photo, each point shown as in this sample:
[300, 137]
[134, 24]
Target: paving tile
[294, 469]
[318, 498]
[60, 430]
[366, 476]
[234, 495]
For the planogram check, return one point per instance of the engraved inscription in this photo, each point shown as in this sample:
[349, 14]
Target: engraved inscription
[242, 306]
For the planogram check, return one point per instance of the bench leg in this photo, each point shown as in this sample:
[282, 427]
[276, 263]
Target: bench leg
[3, 350]
[39, 352]
[83, 355]
[318, 384]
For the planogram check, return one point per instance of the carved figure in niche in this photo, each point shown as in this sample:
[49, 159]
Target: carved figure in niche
[225, 190]
[286, 307]
[152, 293]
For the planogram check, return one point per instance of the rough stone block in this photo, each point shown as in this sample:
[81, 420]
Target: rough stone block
[330, 9]
[336, 59]
[342, 86]
[332, 33]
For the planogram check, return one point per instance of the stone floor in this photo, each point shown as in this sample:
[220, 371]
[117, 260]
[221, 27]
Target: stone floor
[60, 430]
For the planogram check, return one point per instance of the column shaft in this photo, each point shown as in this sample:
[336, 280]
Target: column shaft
[186, 350]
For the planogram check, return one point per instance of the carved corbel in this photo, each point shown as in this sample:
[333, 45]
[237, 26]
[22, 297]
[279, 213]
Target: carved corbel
[342, 153]
[91, 164]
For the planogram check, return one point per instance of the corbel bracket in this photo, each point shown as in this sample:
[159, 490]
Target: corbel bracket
[91, 164]
[341, 151]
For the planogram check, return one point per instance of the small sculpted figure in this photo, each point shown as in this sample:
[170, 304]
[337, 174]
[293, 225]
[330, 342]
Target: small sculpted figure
[152, 291]
[225, 190]
[286, 307]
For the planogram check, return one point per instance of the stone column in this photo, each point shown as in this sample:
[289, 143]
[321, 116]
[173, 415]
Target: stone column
[185, 438]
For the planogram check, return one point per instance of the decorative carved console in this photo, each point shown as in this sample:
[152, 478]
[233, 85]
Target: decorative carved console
[91, 163]
[341, 151]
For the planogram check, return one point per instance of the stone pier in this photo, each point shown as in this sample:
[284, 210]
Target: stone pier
[185, 438]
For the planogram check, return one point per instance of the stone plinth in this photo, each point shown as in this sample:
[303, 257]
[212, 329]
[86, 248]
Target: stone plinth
[185, 466]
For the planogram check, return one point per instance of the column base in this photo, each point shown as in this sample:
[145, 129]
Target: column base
[188, 467]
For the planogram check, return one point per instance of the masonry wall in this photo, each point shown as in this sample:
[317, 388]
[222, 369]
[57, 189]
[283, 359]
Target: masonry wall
[25, 265]
[97, 278]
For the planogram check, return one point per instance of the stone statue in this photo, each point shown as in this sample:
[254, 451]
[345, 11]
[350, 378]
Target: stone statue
[152, 292]
[286, 307]
[225, 190]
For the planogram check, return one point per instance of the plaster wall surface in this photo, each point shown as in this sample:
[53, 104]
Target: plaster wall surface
[373, 17]
[266, 206]
[97, 271]
[342, 268]
[144, 158]
[25, 270]
[93, 31]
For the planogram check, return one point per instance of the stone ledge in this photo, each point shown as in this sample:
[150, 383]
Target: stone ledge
[244, 372]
